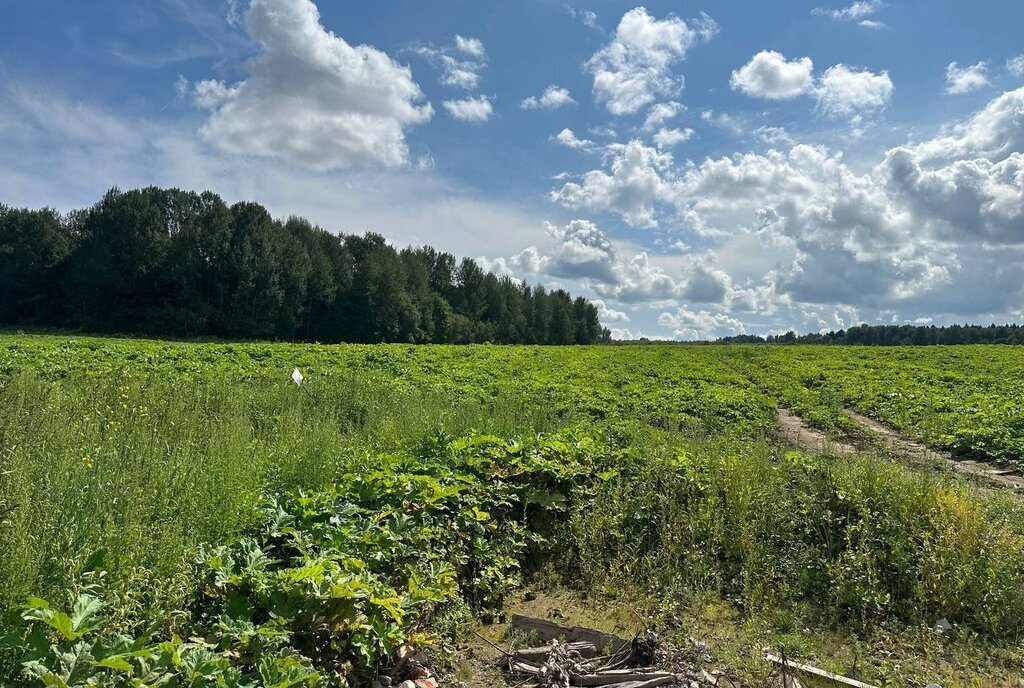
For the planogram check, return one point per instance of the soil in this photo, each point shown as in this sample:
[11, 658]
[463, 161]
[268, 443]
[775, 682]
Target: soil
[914, 451]
[802, 436]
[876, 435]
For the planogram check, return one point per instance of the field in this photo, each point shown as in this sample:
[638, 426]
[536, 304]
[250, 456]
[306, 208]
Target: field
[184, 513]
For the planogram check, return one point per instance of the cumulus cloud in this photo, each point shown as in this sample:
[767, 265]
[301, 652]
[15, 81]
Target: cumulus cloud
[661, 113]
[473, 47]
[635, 67]
[608, 315]
[567, 138]
[919, 229]
[460, 63]
[583, 251]
[724, 121]
[858, 11]
[473, 109]
[578, 250]
[774, 135]
[700, 325]
[1015, 65]
[770, 75]
[840, 91]
[843, 91]
[670, 138]
[631, 189]
[960, 80]
[312, 99]
[553, 98]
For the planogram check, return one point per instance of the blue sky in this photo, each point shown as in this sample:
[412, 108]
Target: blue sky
[699, 169]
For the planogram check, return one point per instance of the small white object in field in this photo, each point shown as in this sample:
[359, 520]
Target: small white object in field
[297, 377]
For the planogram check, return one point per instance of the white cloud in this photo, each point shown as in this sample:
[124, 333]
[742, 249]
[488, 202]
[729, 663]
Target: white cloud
[624, 334]
[586, 17]
[700, 325]
[583, 251]
[635, 67]
[631, 190]
[842, 91]
[182, 86]
[608, 315]
[312, 99]
[1015, 65]
[670, 138]
[567, 138]
[932, 227]
[960, 80]
[774, 135]
[871, 24]
[724, 121]
[473, 109]
[661, 113]
[457, 70]
[473, 47]
[553, 98]
[770, 75]
[858, 10]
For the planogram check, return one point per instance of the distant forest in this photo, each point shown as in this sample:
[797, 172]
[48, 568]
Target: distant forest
[171, 262]
[897, 335]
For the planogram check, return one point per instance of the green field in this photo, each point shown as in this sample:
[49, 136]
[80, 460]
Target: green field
[189, 515]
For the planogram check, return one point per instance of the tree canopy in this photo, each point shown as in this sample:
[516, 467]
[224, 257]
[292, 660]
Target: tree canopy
[896, 335]
[179, 263]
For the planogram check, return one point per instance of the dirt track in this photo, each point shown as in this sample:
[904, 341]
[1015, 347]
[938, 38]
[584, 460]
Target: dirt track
[799, 434]
[916, 452]
[802, 436]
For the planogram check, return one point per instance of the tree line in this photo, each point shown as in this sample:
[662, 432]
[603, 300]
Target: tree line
[179, 263]
[896, 335]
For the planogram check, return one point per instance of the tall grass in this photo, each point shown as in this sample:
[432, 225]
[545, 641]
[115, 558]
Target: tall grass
[141, 471]
[860, 539]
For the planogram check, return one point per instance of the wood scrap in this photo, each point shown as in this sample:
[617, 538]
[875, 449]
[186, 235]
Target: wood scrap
[525, 668]
[653, 683]
[816, 673]
[587, 650]
[611, 678]
[547, 631]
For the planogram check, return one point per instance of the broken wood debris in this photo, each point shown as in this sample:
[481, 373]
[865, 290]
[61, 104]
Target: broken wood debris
[547, 631]
[570, 659]
[813, 672]
[587, 650]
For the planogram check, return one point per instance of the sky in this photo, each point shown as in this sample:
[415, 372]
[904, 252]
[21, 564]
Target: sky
[698, 169]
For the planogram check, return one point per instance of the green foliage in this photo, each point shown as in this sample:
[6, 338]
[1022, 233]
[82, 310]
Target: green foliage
[237, 529]
[966, 398]
[172, 262]
[332, 581]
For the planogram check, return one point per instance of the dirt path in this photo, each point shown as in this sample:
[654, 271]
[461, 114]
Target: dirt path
[880, 436]
[802, 436]
[916, 452]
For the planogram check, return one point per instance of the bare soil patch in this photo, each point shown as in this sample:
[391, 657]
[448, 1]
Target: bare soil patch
[878, 435]
[802, 436]
[917, 452]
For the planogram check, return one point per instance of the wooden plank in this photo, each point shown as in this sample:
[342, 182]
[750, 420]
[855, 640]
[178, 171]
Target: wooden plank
[525, 668]
[653, 683]
[818, 673]
[610, 678]
[549, 630]
[540, 654]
